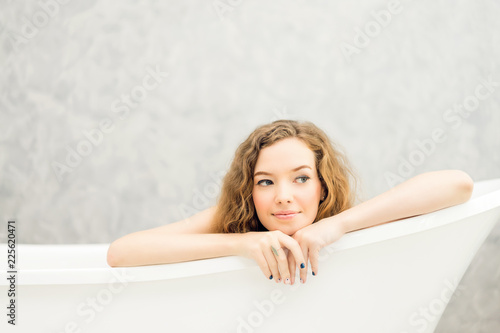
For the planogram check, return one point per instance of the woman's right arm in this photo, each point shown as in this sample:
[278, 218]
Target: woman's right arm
[193, 239]
[189, 239]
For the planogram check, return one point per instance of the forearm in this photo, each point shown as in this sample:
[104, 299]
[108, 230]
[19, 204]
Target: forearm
[421, 194]
[149, 248]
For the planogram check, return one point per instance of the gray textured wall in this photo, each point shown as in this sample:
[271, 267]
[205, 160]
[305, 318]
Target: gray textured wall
[116, 117]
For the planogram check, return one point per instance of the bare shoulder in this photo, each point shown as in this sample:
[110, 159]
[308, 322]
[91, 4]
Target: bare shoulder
[199, 223]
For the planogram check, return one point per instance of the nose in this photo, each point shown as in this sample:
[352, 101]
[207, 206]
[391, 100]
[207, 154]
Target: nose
[283, 193]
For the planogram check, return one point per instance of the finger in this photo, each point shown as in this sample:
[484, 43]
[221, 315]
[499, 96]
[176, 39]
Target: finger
[303, 272]
[296, 250]
[281, 260]
[291, 267]
[313, 258]
[272, 264]
[264, 267]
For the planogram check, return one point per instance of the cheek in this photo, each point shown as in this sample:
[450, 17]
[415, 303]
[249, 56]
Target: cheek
[262, 208]
[309, 199]
[259, 200]
[310, 203]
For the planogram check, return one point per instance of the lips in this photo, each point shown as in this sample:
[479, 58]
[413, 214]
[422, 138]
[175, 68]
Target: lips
[286, 214]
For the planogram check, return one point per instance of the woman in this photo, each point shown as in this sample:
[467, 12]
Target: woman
[287, 194]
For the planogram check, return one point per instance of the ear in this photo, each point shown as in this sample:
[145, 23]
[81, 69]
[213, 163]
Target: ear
[323, 193]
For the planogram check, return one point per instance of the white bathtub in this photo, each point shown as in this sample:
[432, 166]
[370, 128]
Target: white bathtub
[396, 277]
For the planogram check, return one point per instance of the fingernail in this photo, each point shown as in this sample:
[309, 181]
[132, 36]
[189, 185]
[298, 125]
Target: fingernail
[287, 281]
[302, 265]
[270, 277]
[301, 281]
[279, 280]
[314, 273]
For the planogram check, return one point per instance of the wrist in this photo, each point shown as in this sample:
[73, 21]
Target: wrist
[237, 246]
[341, 222]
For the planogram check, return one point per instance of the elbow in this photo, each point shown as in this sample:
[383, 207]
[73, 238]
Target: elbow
[112, 256]
[464, 186]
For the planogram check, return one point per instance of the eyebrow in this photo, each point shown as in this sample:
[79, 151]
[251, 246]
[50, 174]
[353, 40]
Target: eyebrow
[270, 174]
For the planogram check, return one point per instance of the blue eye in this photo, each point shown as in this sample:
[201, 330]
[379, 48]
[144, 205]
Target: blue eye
[304, 177]
[263, 180]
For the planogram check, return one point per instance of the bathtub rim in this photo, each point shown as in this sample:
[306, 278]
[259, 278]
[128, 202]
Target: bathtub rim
[107, 275]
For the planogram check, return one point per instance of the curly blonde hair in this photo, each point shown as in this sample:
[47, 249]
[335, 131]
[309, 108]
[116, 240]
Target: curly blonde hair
[235, 211]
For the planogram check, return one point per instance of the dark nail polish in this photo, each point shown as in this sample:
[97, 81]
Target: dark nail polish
[302, 265]
[313, 273]
[270, 277]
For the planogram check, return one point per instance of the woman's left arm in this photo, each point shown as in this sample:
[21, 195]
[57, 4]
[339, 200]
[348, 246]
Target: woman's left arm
[421, 194]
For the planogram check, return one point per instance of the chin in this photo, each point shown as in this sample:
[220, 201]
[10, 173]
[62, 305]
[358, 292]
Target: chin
[288, 230]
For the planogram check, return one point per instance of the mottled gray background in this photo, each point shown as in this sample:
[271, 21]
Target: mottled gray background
[227, 67]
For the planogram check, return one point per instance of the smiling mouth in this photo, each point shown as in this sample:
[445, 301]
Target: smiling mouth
[286, 216]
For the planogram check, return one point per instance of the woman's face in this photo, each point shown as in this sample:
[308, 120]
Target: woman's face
[285, 179]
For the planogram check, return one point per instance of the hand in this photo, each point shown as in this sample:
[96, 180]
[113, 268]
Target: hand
[311, 240]
[257, 246]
